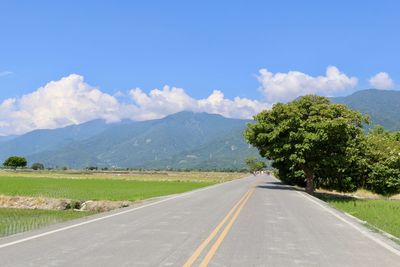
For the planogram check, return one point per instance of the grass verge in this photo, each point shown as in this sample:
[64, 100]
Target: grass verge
[380, 213]
[14, 221]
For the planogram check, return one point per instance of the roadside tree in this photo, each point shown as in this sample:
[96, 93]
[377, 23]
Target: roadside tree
[254, 165]
[311, 142]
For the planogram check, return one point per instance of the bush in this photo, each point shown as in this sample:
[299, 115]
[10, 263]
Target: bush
[37, 166]
[384, 180]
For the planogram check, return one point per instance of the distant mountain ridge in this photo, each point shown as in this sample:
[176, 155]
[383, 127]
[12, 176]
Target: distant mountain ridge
[184, 140]
[383, 106]
[50, 139]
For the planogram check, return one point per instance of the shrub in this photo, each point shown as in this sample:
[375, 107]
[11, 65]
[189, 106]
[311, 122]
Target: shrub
[37, 166]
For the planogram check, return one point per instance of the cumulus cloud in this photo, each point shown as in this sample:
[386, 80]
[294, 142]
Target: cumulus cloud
[169, 100]
[237, 108]
[58, 103]
[381, 80]
[283, 87]
[71, 100]
[159, 103]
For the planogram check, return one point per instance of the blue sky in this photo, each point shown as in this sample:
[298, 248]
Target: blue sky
[201, 46]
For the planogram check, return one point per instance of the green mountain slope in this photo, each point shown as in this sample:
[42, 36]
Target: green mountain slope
[4, 139]
[227, 152]
[383, 106]
[184, 140]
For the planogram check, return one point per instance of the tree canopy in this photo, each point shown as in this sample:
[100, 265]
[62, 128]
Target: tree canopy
[15, 162]
[383, 159]
[311, 142]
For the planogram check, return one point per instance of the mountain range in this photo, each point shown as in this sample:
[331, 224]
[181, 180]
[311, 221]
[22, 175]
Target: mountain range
[184, 140]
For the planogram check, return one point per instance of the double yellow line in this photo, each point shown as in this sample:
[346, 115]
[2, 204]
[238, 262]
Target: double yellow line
[235, 211]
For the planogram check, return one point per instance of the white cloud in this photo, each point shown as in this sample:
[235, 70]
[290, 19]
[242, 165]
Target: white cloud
[381, 80]
[236, 108]
[284, 87]
[5, 73]
[57, 104]
[71, 100]
[159, 103]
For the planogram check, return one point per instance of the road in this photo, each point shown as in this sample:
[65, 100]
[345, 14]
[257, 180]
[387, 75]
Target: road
[255, 221]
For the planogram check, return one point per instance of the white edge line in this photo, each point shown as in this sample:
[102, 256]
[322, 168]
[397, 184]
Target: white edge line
[111, 215]
[358, 228]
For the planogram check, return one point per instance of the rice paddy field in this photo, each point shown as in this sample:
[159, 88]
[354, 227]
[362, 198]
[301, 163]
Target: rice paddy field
[89, 185]
[93, 189]
[131, 186]
[193, 176]
[14, 221]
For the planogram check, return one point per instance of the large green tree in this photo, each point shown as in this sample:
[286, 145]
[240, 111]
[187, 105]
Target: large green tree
[311, 142]
[15, 162]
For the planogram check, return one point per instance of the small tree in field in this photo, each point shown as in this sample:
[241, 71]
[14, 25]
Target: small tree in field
[37, 166]
[311, 139]
[254, 165]
[15, 162]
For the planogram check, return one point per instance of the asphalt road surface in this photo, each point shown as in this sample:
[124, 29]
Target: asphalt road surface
[255, 221]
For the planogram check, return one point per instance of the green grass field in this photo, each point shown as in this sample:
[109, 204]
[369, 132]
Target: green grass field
[380, 213]
[93, 189]
[14, 221]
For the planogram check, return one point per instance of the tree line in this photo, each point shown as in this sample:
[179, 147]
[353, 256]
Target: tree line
[317, 144]
[15, 162]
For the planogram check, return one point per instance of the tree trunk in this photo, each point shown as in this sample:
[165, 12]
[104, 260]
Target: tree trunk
[310, 180]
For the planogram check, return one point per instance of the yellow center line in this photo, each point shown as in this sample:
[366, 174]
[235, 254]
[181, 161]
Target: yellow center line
[218, 242]
[204, 244]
